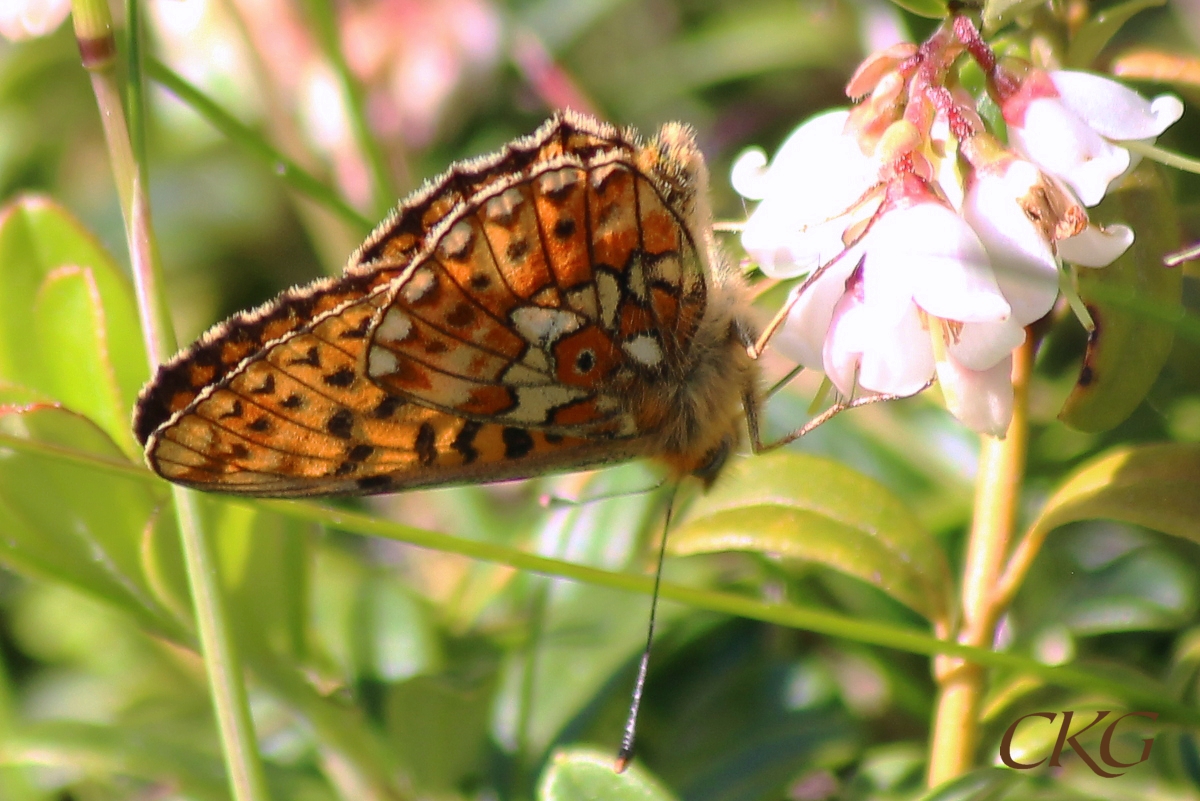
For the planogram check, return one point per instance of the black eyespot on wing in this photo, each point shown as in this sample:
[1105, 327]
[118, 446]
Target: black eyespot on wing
[564, 228]
[517, 442]
[340, 424]
[234, 411]
[374, 483]
[267, 387]
[311, 357]
[426, 444]
[464, 442]
[387, 407]
[341, 378]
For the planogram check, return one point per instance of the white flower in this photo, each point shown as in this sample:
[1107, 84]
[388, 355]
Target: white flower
[918, 289]
[25, 19]
[809, 194]
[1071, 123]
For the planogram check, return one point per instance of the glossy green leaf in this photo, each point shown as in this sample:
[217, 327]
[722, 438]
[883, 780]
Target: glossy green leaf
[69, 523]
[68, 318]
[1129, 345]
[586, 775]
[1147, 485]
[805, 507]
[1098, 31]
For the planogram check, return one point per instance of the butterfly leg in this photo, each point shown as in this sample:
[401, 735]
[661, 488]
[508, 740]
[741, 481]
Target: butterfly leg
[752, 406]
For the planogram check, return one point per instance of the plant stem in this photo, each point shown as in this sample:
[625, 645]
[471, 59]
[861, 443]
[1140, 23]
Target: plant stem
[961, 683]
[97, 46]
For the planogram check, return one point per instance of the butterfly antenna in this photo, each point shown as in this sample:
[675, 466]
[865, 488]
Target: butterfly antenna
[625, 755]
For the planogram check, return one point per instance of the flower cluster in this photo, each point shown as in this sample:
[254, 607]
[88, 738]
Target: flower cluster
[929, 244]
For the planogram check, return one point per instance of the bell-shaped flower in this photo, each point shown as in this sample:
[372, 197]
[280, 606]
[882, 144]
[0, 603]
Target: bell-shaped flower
[918, 278]
[1071, 125]
[811, 194]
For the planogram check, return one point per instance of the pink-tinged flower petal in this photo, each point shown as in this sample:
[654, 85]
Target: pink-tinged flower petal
[982, 400]
[1095, 246]
[782, 248]
[1023, 262]
[849, 332]
[1062, 144]
[1113, 110]
[897, 358]
[27, 19]
[802, 336]
[749, 175]
[980, 346]
[940, 257]
[816, 177]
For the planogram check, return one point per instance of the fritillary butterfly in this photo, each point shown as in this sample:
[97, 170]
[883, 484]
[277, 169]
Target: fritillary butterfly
[557, 305]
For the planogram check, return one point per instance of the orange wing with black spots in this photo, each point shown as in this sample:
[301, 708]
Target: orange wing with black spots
[531, 311]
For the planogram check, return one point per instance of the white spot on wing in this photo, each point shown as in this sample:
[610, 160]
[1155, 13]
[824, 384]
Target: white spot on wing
[668, 270]
[419, 283]
[381, 361]
[535, 403]
[645, 349]
[502, 207]
[541, 326]
[557, 180]
[457, 241]
[536, 359]
[519, 374]
[396, 326]
[609, 292]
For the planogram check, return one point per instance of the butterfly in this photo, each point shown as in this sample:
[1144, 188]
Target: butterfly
[554, 306]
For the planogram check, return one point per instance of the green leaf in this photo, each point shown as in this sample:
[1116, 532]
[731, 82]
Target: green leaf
[983, 784]
[998, 13]
[65, 522]
[933, 9]
[1131, 301]
[1099, 30]
[1147, 485]
[585, 775]
[68, 319]
[806, 507]
[439, 731]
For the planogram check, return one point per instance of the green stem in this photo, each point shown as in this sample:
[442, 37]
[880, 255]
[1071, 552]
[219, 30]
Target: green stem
[321, 13]
[961, 682]
[238, 132]
[97, 45]
[1162, 156]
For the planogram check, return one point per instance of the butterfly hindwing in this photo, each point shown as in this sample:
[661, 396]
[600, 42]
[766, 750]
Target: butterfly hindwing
[528, 312]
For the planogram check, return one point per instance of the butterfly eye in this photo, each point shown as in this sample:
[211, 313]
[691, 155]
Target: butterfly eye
[585, 361]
